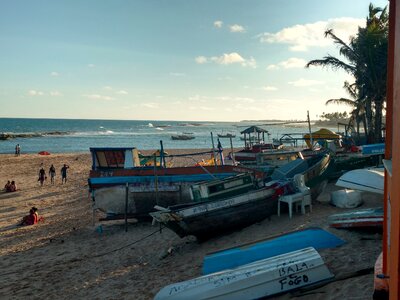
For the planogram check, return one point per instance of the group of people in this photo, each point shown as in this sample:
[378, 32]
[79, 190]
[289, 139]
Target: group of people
[10, 187]
[52, 174]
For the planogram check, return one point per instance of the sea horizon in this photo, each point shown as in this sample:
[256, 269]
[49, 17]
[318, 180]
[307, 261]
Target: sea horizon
[78, 135]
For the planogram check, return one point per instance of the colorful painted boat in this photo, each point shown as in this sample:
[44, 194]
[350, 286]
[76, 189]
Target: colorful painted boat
[315, 169]
[113, 168]
[210, 218]
[277, 245]
[370, 217]
[262, 278]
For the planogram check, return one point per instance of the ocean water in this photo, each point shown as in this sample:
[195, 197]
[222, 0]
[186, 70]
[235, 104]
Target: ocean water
[66, 135]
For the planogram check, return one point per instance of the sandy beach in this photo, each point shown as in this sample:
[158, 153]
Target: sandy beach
[66, 257]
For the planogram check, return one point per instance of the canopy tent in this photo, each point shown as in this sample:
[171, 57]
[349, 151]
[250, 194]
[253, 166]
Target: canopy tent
[257, 137]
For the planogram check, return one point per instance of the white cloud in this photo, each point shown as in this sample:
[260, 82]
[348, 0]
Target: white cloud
[54, 74]
[305, 82]
[272, 67]
[177, 74]
[205, 108]
[290, 63]
[218, 24]
[35, 93]
[91, 66]
[301, 37]
[269, 88]
[237, 28]
[150, 105]
[201, 59]
[107, 88]
[231, 58]
[55, 94]
[122, 92]
[99, 97]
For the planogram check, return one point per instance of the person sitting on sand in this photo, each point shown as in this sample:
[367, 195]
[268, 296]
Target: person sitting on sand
[13, 187]
[7, 186]
[31, 219]
[42, 176]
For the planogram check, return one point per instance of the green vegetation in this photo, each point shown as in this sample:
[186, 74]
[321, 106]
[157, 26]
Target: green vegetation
[366, 60]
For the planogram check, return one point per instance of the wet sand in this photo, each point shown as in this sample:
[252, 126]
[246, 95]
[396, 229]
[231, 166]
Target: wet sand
[66, 257]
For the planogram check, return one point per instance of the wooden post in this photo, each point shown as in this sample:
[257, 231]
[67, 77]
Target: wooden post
[155, 178]
[309, 129]
[213, 149]
[126, 206]
[162, 157]
[233, 155]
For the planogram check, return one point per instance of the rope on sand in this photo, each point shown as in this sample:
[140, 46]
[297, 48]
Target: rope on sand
[94, 256]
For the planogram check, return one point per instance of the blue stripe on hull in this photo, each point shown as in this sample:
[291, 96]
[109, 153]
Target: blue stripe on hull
[113, 180]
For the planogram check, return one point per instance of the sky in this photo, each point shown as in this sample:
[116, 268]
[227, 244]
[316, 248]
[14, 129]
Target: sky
[209, 60]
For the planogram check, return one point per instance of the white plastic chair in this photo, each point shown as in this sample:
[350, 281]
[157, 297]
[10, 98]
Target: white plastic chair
[305, 190]
[301, 198]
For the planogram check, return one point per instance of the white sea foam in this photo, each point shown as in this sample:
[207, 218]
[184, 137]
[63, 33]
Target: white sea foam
[150, 125]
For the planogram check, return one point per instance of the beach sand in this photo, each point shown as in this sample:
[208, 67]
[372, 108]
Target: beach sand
[66, 257]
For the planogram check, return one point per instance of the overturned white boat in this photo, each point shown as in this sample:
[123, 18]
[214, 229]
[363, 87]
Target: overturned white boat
[369, 180]
[262, 278]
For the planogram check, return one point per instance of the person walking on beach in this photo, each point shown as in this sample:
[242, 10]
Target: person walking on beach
[17, 150]
[42, 175]
[64, 173]
[52, 174]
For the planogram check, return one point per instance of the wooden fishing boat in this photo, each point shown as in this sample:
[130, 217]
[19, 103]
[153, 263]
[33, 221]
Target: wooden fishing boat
[370, 217]
[315, 169]
[114, 168]
[267, 277]
[226, 135]
[224, 208]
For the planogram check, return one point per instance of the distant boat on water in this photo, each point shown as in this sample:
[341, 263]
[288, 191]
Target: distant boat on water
[226, 135]
[183, 137]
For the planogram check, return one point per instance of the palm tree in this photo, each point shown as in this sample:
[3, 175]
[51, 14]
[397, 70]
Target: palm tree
[357, 115]
[365, 58]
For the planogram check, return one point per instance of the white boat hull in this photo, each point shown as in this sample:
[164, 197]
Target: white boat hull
[369, 180]
[262, 278]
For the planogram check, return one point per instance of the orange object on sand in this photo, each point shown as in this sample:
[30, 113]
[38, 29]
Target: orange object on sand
[44, 153]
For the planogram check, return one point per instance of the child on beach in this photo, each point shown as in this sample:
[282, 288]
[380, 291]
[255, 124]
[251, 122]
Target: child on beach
[52, 174]
[42, 176]
[64, 173]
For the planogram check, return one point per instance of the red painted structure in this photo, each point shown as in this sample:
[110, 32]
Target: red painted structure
[391, 237]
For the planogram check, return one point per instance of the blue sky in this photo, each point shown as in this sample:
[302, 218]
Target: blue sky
[212, 60]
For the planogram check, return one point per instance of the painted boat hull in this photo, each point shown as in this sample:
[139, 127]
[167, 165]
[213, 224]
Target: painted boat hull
[173, 186]
[371, 217]
[369, 180]
[262, 278]
[211, 218]
[250, 252]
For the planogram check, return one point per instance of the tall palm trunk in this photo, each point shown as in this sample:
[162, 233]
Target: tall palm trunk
[378, 121]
